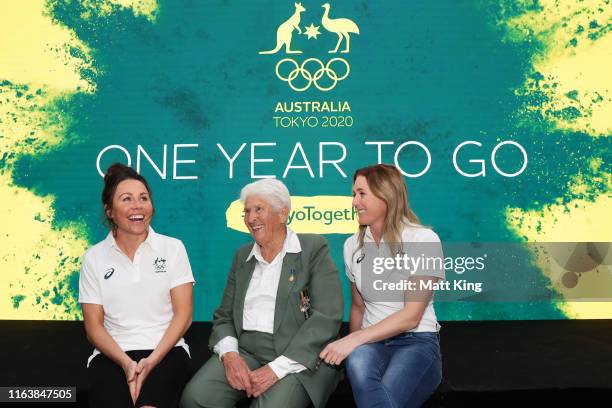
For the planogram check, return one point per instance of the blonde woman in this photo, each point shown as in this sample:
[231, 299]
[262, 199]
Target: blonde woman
[392, 353]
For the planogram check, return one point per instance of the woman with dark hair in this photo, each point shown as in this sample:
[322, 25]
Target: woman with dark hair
[136, 292]
[392, 353]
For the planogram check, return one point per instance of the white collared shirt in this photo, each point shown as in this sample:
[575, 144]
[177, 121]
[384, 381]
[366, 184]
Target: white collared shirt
[135, 294]
[376, 310]
[260, 302]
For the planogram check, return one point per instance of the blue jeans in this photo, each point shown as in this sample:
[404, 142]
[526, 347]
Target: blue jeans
[401, 371]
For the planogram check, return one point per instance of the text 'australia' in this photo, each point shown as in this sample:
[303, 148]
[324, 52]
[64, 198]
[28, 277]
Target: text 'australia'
[312, 106]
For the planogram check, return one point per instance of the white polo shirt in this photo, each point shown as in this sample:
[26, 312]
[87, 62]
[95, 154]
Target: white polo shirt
[135, 295]
[375, 311]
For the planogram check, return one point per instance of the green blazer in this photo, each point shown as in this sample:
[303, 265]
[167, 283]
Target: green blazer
[295, 337]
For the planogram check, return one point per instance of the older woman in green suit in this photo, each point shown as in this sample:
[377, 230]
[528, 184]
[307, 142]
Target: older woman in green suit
[282, 304]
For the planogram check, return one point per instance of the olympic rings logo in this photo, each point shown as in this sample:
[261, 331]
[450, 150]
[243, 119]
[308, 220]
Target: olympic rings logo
[313, 78]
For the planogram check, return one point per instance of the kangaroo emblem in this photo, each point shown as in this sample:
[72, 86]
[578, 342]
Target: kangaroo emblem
[285, 30]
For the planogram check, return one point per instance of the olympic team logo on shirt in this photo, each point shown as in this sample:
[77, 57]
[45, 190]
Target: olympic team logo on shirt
[160, 265]
[109, 272]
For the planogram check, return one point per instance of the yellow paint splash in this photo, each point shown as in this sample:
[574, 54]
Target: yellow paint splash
[574, 66]
[35, 51]
[146, 8]
[579, 220]
[37, 67]
[38, 258]
[573, 75]
[316, 214]
[140, 7]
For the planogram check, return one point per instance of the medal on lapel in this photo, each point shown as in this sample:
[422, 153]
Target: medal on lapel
[292, 275]
[305, 303]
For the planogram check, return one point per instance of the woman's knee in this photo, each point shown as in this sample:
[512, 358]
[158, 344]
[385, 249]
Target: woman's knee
[190, 397]
[427, 377]
[208, 387]
[361, 362]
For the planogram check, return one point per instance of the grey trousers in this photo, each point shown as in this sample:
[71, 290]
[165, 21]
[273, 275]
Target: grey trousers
[209, 387]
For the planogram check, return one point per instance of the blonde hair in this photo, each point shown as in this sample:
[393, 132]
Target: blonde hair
[386, 183]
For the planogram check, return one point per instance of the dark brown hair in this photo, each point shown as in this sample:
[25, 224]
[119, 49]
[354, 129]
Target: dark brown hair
[115, 174]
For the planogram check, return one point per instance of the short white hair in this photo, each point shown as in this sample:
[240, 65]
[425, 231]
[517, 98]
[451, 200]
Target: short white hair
[272, 190]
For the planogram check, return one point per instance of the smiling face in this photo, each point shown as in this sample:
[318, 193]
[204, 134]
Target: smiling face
[132, 209]
[264, 222]
[370, 209]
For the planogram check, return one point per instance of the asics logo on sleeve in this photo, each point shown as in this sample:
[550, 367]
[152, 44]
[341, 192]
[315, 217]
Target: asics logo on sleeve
[109, 273]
